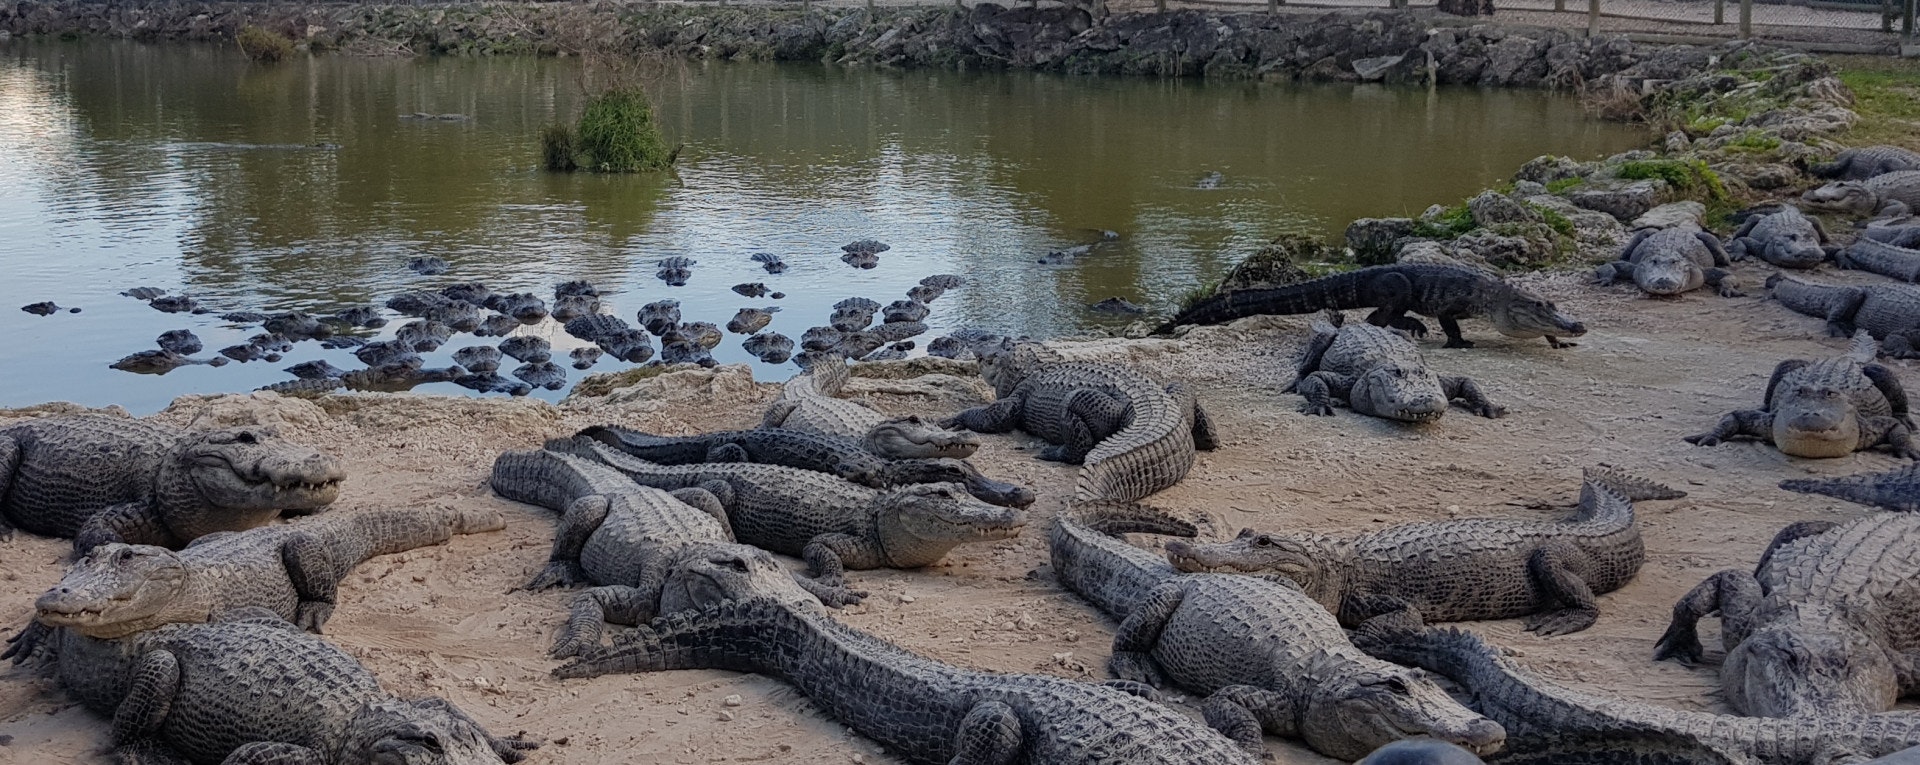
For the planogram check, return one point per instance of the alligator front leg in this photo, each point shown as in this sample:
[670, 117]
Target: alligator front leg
[1134, 641]
[1889, 384]
[998, 417]
[1310, 358]
[1467, 393]
[1242, 712]
[1890, 433]
[1723, 282]
[1091, 416]
[152, 684]
[1613, 273]
[828, 557]
[314, 576]
[712, 498]
[132, 523]
[1751, 423]
[1451, 326]
[1733, 594]
[619, 604]
[1205, 438]
[1896, 346]
[989, 735]
[273, 753]
[1392, 293]
[582, 518]
[1549, 568]
[1320, 389]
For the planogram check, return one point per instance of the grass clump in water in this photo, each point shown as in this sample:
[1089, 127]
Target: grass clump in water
[264, 46]
[556, 144]
[1688, 176]
[616, 134]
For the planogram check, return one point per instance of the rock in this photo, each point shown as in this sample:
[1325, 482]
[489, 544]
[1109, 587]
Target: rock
[1276, 263]
[660, 388]
[1491, 208]
[1518, 245]
[1523, 189]
[1677, 142]
[43, 308]
[1375, 68]
[1765, 176]
[1622, 200]
[1597, 236]
[1372, 239]
[1438, 254]
[1671, 215]
[1547, 169]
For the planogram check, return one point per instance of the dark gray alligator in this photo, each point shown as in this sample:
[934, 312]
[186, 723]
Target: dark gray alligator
[1902, 235]
[1454, 570]
[1550, 723]
[180, 341]
[1133, 435]
[1827, 408]
[305, 386]
[1824, 626]
[1425, 751]
[478, 359]
[831, 523]
[1890, 490]
[1782, 236]
[628, 539]
[160, 361]
[525, 307]
[254, 690]
[1889, 313]
[1888, 195]
[1874, 256]
[103, 479]
[527, 348]
[771, 262]
[394, 378]
[769, 347]
[1378, 371]
[924, 711]
[1446, 293]
[1670, 261]
[675, 271]
[1266, 655]
[659, 316]
[747, 321]
[1865, 162]
[853, 314]
[840, 455]
[811, 403]
[585, 357]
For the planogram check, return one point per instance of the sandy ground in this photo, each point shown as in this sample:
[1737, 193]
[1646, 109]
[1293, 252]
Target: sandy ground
[441, 620]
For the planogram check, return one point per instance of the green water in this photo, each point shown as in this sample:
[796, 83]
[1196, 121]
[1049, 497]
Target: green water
[120, 168]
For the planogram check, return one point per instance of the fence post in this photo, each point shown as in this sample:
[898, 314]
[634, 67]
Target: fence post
[1593, 18]
[1906, 19]
[1746, 19]
[1159, 6]
[1560, 6]
[1719, 12]
[1273, 7]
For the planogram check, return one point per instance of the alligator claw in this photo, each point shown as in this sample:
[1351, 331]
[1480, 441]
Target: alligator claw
[1462, 343]
[1490, 411]
[1560, 622]
[1702, 439]
[312, 615]
[1554, 342]
[29, 644]
[1135, 667]
[556, 574]
[1319, 410]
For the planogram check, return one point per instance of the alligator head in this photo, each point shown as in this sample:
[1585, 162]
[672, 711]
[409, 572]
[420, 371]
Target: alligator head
[249, 469]
[707, 574]
[1815, 421]
[1005, 365]
[1794, 249]
[1852, 197]
[914, 438]
[902, 472]
[1524, 314]
[1396, 392]
[425, 732]
[1810, 663]
[116, 590]
[923, 521]
[1353, 710]
[1666, 271]
[1308, 562]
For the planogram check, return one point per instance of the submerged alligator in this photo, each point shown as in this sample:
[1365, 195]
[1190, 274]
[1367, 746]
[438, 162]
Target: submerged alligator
[1670, 261]
[1457, 570]
[811, 403]
[1267, 656]
[1897, 489]
[101, 479]
[1133, 435]
[1826, 625]
[924, 711]
[1827, 408]
[1888, 195]
[1378, 371]
[1889, 313]
[1446, 293]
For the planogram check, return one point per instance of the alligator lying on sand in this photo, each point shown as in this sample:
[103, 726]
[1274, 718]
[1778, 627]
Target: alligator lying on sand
[254, 690]
[103, 479]
[1378, 371]
[1456, 570]
[1826, 625]
[1782, 236]
[831, 523]
[1828, 408]
[1889, 313]
[1670, 261]
[1134, 435]
[1889, 260]
[1859, 164]
[924, 711]
[810, 403]
[1888, 195]
[1446, 293]
[1890, 490]
[626, 538]
[1268, 656]
[839, 455]
[1550, 723]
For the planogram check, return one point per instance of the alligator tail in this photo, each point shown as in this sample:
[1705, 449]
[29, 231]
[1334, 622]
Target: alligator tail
[1091, 559]
[352, 539]
[1863, 348]
[1339, 291]
[1607, 496]
[1633, 487]
[716, 637]
[1154, 451]
[1802, 297]
[830, 375]
[1893, 490]
[666, 450]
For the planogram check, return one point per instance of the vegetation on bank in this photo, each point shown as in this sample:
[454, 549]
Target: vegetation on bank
[1886, 95]
[263, 45]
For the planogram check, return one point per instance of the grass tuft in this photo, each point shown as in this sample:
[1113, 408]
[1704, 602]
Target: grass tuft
[264, 46]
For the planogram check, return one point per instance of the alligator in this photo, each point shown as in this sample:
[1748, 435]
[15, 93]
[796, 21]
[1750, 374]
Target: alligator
[686, 353]
[574, 299]
[101, 479]
[924, 711]
[297, 325]
[705, 334]
[867, 246]
[46, 308]
[896, 331]
[1827, 408]
[771, 262]
[1667, 262]
[317, 370]
[624, 538]
[1889, 313]
[1866, 162]
[526, 348]
[584, 358]
[1889, 260]
[944, 282]
[380, 353]
[751, 289]
[867, 260]
[747, 321]
[675, 271]
[1782, 236]
[629, 345]
[468, 292]
[1457, 570]
[1891, 490]
[253, 690]
[176, 304]
[839, 455]
[904, 310]
[810, 403]
[478, 359]
[831, 523]
[305, 386]
[427, 266]
[395, 378]
[492, 382]
[659, 316]
[1133, 435]
[1378, 371]
[770, 347]
[1823, 626]
[145, 293]
[1888, 195]
[1446, 293]
[180, 341]
[925, 293]
[544, 374]
[1267, 656]
[853, 314]
[364, 316]
[1903, 235]
[160, 361]
[525, 307]
[1557, 724]
[593, 326]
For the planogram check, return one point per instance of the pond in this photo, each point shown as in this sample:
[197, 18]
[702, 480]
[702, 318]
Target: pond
[191, 170]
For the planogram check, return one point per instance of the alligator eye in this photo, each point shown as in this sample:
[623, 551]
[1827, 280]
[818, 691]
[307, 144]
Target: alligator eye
[1396, 685]
[1263, 541]
[123, 556]
[738, 565]
[246, 438]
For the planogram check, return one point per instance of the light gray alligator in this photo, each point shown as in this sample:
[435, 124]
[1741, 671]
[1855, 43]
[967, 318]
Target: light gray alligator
[1889, 313]
[1134, 436]
[102, 479]
[1826, 625]
[1782, 236]
[811, 403]
[1378, 371]
[1881, 258]
[1267, 656]
[1897, 489]
[1828, 408]
[1454, 570]
[1670, 261]
[1859, 164]
[1888, 195]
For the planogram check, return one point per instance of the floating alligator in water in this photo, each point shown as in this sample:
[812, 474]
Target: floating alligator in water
[478, 359]
[427, 265]
[574, 299]
[1133, 435]
[527, 349]
[1782, 236]
[1889, 313]
[1454, 570]
[46, 308]
[853, 314]
[1892, 490]
[1268, 657]
[1879, 257]
[771, 262]
[1446, 293]
[1670, 261]
[225, 146]
[1827, 408]
[769, 347]
[159, 362]
[675, 271]
[498, 325]
[524, 307]
[1888, 195]
[103, 479]
[1826, 625]
[585, 358]
[1865, 162]
[1378, 371]
[747, 321]
[659, 316]
[809, 402]
[542, 374]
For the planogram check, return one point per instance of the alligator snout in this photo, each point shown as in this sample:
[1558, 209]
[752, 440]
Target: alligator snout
[1571, 327]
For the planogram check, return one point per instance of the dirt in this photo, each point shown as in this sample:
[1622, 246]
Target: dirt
[444, 621]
